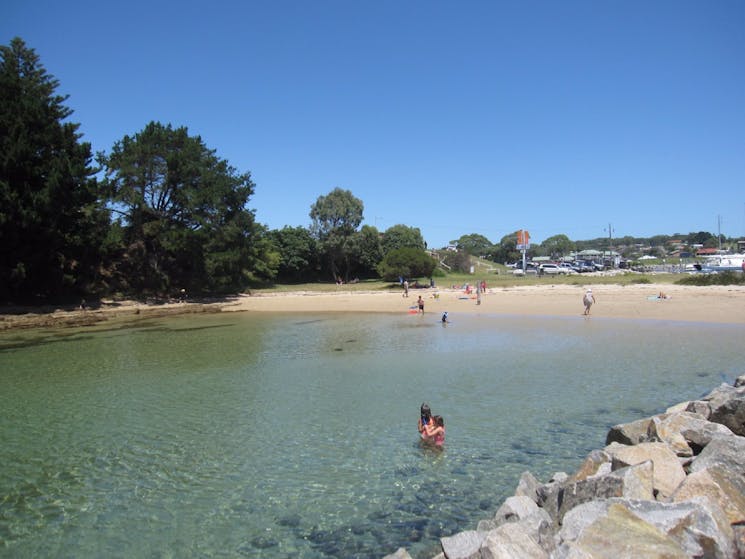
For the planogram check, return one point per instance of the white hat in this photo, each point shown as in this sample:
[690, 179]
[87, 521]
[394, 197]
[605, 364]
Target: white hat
[589, 290]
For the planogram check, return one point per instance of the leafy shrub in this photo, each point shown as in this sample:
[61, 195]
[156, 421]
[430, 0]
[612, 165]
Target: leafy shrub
[407, 263]
[642, 279]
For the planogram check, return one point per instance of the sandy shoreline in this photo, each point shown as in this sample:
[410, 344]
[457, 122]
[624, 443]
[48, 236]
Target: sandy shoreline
[711, 304]
[715, 304]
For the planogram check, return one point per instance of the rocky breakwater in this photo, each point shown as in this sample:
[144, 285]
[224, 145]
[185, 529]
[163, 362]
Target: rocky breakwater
[668, 486]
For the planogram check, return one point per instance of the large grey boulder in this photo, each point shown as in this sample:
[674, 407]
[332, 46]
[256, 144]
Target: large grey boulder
[731, 413]
[516, 508]
[727, 404]
[597, 462]
[463, 545]
[632, 528]
[400, 553]
[534, 521]
[727, 452]
[512, 540]
[668, 472]
[718, 485]
[528, 486]
[632, 482]
[698, 524]
[629, 433]
[685, 433]
[608, 530]
[700, 407]
[549, 498]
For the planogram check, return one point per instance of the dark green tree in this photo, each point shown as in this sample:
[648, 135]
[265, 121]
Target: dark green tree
[368, 251]
[475, 244]
[408, 263]
[402, 236]
[298, 250]
[336, 218]
[557, 246]
[184, 215]
[506, 251]
[51, 219]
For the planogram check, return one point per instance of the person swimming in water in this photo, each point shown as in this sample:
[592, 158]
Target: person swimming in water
[425, 418]
[436, 431]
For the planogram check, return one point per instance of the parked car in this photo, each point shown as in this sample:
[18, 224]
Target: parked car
[530, 268]
[551, 269]
[586, 266]
[568, 268]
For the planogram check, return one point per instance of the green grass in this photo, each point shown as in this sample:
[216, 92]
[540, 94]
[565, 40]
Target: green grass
[725, 278]
[504, 279]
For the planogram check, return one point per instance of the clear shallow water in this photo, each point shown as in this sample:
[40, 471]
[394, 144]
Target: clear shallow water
[273, 436]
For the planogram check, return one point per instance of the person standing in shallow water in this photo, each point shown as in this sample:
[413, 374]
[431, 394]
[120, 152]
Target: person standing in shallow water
[420, 303]
[425, 418]
[589, 301]
[436, 431]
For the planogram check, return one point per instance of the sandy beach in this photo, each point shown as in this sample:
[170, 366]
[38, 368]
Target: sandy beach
[712, 304]
[717, 304]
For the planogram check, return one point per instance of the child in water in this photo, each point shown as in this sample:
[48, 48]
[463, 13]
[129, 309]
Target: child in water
[425, 419]
[436, 431]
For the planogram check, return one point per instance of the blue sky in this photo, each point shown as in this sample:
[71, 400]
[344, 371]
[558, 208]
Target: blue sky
[453, 117]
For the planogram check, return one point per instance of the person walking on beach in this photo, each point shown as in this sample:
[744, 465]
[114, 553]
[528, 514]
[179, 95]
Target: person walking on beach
[406, 288]
[420, 302]
[588, 300]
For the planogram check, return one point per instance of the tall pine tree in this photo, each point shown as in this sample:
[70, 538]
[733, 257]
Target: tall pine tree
[51, 220]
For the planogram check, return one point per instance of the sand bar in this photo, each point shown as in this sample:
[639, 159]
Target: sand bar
[714, 304]
[711, 304]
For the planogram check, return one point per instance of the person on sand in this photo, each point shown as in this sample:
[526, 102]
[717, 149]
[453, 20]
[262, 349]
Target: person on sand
[406, 288]
[425, 418]
[588, 300]
[436, 431]
[420, 302]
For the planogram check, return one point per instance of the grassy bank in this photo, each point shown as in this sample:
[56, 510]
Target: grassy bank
[494, 281]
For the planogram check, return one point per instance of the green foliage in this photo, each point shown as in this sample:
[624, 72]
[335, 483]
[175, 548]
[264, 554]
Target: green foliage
[723, 278]
[641, 280]
[368, 251]
[557, 246]
[401, 236]
[475, 244]
[507, 250]
[298, 254]
[51, 220]
[183, 215]
[336, 217]
[407, 263]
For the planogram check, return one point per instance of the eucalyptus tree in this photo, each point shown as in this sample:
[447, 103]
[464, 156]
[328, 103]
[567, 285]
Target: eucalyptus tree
[557, 246]
[368, 250]
[51, 219]
[475, 244]
[298, 250]
[335, 219]
[184, 215]
[406, 262]
[402, 236]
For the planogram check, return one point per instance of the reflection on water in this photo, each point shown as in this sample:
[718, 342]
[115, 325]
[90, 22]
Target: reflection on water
[276, 436]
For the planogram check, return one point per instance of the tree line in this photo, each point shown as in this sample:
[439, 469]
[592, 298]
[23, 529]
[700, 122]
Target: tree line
[161, 212]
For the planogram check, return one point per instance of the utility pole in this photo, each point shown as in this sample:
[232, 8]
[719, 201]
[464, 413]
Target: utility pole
[719, 231]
